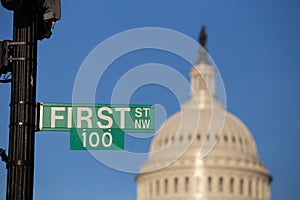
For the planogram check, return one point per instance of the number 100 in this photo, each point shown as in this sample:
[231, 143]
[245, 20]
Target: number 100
[93, 139]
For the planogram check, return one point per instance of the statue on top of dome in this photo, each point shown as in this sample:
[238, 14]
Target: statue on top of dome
[203, 37]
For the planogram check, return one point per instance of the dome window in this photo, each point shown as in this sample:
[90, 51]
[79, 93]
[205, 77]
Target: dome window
[241, 186]
[216, 137]
[180, 138]
[231, 185]
[263, 188]
[207, 136]
[166, 186]
[186, 184]
[157, 188]
[166, 140]
[250, 188]
[190, 137]
[256, 187]
[173, 139]
[150, 189]
[241, 141]
[225, 138]
[176, 185]
[209, 183]
[233, 139]
[221, 184]
[198, 136]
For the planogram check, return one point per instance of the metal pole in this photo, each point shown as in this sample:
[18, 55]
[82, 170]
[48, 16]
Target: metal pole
[22, 108]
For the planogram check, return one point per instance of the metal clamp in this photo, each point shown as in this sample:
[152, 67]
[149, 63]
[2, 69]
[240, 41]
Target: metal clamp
[19, 163]
[21, 124]
[22, 103]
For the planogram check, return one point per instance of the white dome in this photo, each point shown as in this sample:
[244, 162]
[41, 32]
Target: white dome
[191, 133]
[203, 152]
[234, 140]
[201, 162]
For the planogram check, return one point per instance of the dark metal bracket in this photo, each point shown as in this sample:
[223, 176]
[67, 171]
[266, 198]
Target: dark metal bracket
[6, 58]
[4, 156]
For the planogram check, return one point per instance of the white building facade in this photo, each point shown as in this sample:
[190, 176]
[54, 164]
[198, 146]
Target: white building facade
[191, 160]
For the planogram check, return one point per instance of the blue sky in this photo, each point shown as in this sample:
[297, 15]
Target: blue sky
[255, 45]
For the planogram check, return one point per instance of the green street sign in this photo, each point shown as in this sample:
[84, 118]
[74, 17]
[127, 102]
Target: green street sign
[96, 139]
[128, 118]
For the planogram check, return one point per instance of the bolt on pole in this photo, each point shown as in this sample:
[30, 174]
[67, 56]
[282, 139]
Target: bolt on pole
[20, 167]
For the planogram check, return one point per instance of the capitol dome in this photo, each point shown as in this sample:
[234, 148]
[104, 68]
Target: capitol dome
[203, 152]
